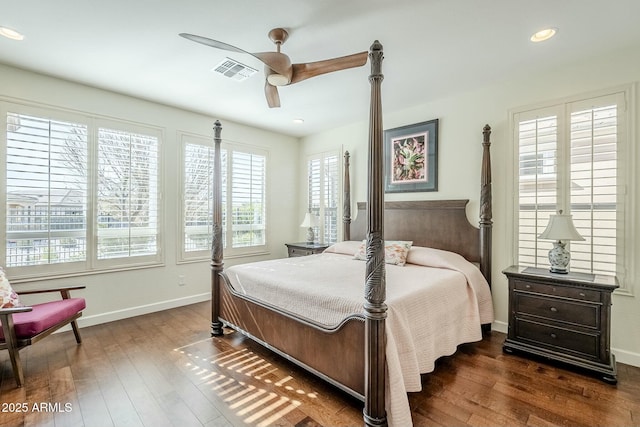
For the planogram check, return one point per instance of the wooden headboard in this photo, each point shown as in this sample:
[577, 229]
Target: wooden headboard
[440, 224]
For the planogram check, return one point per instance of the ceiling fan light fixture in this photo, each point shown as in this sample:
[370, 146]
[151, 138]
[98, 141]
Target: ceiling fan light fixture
[277, 79]
[543, 35]
[11, 34]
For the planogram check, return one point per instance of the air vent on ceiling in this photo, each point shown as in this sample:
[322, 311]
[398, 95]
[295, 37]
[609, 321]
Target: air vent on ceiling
[234, 70]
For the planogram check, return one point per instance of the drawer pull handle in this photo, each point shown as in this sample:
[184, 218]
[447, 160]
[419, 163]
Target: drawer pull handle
[528, 286]
[582, 294]
[553, 309]
[554, 336]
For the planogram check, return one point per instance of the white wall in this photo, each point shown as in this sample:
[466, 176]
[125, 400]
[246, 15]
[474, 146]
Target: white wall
[462, 117]
[112, 296]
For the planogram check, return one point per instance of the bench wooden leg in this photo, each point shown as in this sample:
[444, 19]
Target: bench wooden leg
[14, 351]
[76, 331]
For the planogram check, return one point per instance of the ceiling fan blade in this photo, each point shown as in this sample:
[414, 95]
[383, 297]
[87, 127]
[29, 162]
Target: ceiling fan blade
[312, 69]
[278, 62]
[213, 43]
[271, 92]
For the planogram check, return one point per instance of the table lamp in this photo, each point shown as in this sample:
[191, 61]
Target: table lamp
[309, 221]
[561, 230]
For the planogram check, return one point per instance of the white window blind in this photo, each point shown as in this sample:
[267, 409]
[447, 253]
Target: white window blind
[197, 197]
[46, 191]
[324, 194]
[127, 194]
[594, 188]
[243, 178]
[569, 159]
[537, 195]
[248, 176]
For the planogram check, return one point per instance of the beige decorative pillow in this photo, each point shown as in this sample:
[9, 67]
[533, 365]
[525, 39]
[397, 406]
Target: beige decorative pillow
[395, 251]
[8, 297]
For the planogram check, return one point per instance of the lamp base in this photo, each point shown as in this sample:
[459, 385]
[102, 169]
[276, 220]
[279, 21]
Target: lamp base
[310, 235]
[559, 258]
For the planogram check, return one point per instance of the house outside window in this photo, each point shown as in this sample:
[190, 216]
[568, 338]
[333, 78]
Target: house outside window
[570, 156]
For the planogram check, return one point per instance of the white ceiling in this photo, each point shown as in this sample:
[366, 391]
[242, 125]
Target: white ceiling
[433, 48]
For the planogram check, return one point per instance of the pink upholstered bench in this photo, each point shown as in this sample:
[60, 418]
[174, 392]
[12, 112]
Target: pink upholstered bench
[27, 325]
[43, 316]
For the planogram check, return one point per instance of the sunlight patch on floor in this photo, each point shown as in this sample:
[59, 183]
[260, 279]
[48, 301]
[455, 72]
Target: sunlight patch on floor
[255, 405]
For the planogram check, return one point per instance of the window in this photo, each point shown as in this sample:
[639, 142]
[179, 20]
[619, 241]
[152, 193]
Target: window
[243, 198]
[127, 194]
[324, 194]
[65, 215]
[46, 191]
[197, 197]
[571, 157]
[247, 185]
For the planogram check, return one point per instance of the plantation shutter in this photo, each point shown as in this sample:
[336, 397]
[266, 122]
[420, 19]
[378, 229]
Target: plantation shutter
[594, 186]
[323, 194]
[331, 199]
[46, 188]
[315, 195]
[248, 176]
[537, 185]
[198, 196]
[127, 214]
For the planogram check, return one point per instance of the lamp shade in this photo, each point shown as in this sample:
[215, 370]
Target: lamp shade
[561, 227]
[309, 220]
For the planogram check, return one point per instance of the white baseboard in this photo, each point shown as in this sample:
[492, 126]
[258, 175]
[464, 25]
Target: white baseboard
[125, 313]
[626, 357]
[499, 326]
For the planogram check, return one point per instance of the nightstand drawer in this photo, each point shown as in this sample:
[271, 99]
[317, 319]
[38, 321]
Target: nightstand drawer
[304, 249]
[560, 291]
[299, 251]
[557, 309]
[587, 344]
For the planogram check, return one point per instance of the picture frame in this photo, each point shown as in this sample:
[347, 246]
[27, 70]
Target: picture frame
[411, 158]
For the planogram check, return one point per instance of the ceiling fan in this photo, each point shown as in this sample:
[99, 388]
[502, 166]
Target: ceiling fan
[279, 70]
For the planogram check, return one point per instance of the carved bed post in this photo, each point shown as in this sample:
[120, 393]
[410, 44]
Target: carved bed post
[346, 201]
[485, 206]
[217, 263]
[375, 309]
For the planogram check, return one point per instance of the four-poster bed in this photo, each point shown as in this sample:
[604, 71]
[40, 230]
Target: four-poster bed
[359, 338]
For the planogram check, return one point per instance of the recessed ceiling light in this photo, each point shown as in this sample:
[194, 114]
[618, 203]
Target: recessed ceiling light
[298, 120]
[543, 35]
[10, 34]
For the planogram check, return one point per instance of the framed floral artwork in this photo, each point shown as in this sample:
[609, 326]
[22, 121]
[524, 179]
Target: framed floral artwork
[411, 158]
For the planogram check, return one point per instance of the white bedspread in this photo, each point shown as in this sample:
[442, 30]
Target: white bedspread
[435, 302]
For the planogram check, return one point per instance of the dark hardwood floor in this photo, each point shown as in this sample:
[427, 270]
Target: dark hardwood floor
[163, 369]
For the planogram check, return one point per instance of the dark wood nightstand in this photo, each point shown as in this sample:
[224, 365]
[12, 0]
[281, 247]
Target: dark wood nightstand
[304, 248]
[564, 317]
